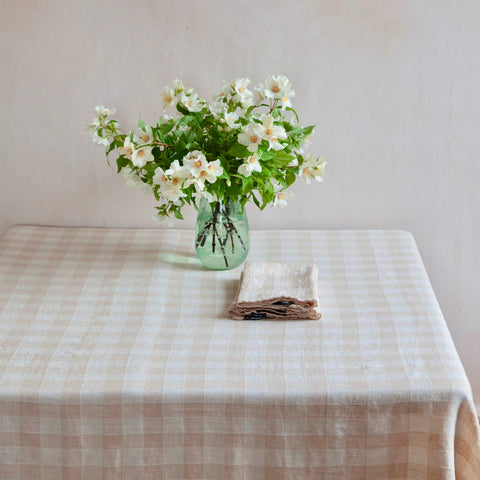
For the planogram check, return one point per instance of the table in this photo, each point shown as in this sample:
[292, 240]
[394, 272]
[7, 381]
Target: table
[117, 360]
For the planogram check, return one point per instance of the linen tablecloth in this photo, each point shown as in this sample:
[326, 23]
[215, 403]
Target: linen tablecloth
[118, 361]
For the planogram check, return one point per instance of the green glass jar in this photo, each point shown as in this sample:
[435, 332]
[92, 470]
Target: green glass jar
[221, 236]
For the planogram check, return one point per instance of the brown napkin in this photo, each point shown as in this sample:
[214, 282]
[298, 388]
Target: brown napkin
[276, 291]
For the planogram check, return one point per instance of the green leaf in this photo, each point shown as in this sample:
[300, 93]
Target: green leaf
[308, 130]
[266, 173]
[247, 185]
[282, 159]
[180, 145]
[249, 110]
[178, 214]
[164, 128]
[141, 125]
[111, 147]
[121, 163]
[268, 155]
[182, 109]
[239, 151]
[150, 168]
[290, 178]
[186, 120]
[296, 131]
[256, 201]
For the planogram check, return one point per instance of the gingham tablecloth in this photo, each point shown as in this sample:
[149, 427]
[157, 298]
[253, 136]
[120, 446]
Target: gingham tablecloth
[118, 361]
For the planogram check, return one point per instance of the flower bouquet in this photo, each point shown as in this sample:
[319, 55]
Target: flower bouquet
[245, 145]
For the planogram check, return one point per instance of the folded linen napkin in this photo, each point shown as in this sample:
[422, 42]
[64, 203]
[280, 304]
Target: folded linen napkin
[276, 291]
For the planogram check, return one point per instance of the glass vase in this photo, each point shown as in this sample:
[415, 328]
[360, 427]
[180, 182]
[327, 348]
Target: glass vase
[221, 235]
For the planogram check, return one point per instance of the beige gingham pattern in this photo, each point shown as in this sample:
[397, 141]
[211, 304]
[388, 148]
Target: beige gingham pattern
[118, 361]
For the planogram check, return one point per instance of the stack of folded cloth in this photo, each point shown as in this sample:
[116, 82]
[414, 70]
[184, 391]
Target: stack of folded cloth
[276, 291]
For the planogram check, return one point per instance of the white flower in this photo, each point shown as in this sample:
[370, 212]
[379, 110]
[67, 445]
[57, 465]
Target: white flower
[313, 168]
[141, 156]
[259, 94]
[277, 186]
[177, 172]
[223, 93]
[159, 176]
[214, 170]
[244, 170]
[285, 100]
[168, 97]
[171, 190]
[164, 219]
[251, 137]
[178, 84]
[217, 108]
[196, 162]
[130, 177]
[279, 88]
[145, 136]
[133, 180]
[179, 87]
[272, 133]
[231, 118]
[92, 128]
[127, 149]
[250, 165]
[281, 198]
[101, 110]
[197, 182]
[191, 102]
[100, 140]
[242, 93]
[211, 197]
[145, 188]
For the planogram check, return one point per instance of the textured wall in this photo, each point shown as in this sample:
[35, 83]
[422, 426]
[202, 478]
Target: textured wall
[392, 87]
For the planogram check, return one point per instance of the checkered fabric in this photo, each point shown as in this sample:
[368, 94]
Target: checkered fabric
[118, 361]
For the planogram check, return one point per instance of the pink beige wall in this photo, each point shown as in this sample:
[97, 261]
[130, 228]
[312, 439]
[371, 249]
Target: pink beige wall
[393, 87]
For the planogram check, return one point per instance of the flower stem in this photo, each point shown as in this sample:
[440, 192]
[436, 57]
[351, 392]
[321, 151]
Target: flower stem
[221, 216]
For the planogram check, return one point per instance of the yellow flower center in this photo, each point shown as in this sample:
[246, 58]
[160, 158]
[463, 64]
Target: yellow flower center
[253, 139]
[268, 131]
[281, 196]
[175, 180]
[198, 163]
[275, 89]
[167, 98]
[307, 171]
[203, 173]
[211, 168]
[285, 99]
[252, 159]
[163, 178]
[241, 89]
[145, 137]
[190, 103]
[140, 153]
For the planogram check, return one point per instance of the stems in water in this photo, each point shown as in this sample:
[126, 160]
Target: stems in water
[221, 217]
